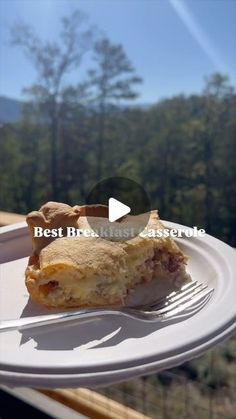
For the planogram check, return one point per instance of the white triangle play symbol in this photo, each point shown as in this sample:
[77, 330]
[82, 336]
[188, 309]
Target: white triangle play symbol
[117, 209]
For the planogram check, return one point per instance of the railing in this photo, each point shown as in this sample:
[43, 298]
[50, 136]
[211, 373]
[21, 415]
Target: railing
[210, 394]
[7, 218]
[200, 389]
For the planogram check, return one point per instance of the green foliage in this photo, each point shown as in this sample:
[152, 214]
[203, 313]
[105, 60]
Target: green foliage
[164, 379]
[212, 371]
[229, 352]
[216, 377]
[189, 370]
[199, 389]
[182, 150]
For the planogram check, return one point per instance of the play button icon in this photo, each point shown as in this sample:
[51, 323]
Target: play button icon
[117, 210]
[125, 200]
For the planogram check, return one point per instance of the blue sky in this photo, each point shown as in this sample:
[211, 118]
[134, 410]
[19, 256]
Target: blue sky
[173, 44]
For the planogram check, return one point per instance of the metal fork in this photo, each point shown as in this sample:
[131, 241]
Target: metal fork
[161, 309]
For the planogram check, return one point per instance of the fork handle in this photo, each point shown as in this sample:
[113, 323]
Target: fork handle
[36, 321]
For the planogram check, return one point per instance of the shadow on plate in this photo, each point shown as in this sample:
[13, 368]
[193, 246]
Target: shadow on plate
[97, 332]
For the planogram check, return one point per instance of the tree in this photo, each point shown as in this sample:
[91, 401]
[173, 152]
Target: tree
[182, 150]
[216, 92]
[217, 85]
[53, 61]
[112, 81]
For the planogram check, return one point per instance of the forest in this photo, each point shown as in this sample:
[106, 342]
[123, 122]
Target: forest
[180, 149]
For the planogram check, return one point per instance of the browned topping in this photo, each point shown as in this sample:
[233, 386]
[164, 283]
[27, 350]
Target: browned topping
[98, 210]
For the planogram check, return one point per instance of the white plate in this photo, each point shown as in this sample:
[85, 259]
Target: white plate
[108, 346]
[104, 378]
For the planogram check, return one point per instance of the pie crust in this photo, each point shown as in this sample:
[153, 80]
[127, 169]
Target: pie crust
[93, 271]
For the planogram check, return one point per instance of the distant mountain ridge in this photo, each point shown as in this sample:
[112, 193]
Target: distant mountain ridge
[10, 109]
